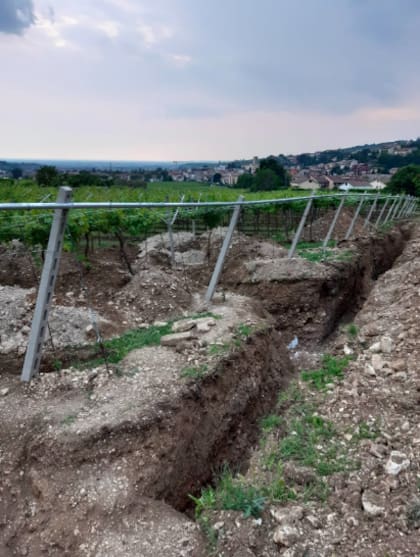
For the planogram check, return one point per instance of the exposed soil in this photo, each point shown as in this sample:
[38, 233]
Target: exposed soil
[92, 461]
[373, 509]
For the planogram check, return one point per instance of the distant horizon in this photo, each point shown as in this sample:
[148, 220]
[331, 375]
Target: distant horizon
[87, 162]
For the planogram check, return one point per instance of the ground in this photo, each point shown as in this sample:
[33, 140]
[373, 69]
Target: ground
[99, 457]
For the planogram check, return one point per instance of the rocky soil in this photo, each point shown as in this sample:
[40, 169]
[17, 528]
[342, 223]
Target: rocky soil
[373, 507]
[100, 460]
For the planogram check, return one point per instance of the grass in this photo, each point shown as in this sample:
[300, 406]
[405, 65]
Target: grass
[365, 430]
[117, 348]
[332, 369]
[195, 372]
[352, 331]
[68, 420]
[270, 422]
[231, 494]
[319, 255]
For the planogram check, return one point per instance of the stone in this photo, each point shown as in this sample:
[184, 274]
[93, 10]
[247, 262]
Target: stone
[370, 370]
[204, 325]
[286, 535]
[396, 463]
[377, 362]
[183, 325]
[375, 348]
[399, 365]
[4, 391]
[175, 338]
[386, 345]
[372, 504]
[289, 515]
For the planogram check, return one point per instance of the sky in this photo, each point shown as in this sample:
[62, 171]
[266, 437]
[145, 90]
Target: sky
[205, 80]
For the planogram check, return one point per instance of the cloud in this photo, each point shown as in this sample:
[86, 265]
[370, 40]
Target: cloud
[16, 16]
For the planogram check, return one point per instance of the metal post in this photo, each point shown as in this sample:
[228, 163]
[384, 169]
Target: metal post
[334, 222]
[384, 206]
[397, 206]
[46, 288]
[391, 209]
[222, 255]
[301, 226]
[404, 207]
[408, 206]
[372, 208]
[413, 207]
[355, 217]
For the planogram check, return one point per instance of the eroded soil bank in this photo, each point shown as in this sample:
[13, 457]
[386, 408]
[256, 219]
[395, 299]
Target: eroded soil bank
[85, 455]
[358, 438]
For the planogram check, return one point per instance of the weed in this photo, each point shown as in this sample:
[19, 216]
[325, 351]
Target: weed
[195, 372]
[366, 431]
[317, 489]
[332, 368]
[68, 420]
[270, 422]
[231, 494]
[117, 348]
[58, 365]
[352, 330]
[311, 442]
[291, 395]
[214, 349]
[413, 515]
[202, 315]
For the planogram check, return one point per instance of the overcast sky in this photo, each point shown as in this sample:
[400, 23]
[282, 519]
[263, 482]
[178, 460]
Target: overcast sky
[205, 79]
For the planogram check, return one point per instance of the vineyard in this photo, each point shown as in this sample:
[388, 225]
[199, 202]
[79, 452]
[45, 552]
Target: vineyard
[87, 227]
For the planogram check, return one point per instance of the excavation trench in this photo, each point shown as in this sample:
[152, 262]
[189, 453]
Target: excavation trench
[173, 447]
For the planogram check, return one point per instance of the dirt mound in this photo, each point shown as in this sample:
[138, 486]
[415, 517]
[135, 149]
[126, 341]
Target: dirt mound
[318, 229]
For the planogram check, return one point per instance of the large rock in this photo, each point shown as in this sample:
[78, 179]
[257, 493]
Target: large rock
[177, 338]
[396, 463]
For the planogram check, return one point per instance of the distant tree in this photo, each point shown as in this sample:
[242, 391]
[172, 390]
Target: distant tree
[16, 173]
[245, 181]
[266, 180]
[217, 178]
[47, 176]
[278, 169]
[406, 180]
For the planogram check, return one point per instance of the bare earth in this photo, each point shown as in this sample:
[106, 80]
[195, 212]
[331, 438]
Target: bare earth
[99, 462]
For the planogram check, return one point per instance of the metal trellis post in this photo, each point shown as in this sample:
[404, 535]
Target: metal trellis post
[396, 209]
[391, 209]
[301, 226]
[404, 207]
[384, 206]
[46, 288]
[334, 222]
[372, 208]
[222, 255]
[355, 217]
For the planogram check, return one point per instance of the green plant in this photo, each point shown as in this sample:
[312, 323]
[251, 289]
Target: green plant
[332, 368]
[352, 330]
[270, 422]
[231, 494]
[291, 395]
[214, 349]
[117, 348]
[366, 431]
[195, 372]
[312, 442]
[68, 420]
[58, 365]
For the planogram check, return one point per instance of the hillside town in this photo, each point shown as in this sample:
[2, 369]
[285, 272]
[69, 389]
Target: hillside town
[368, 167]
